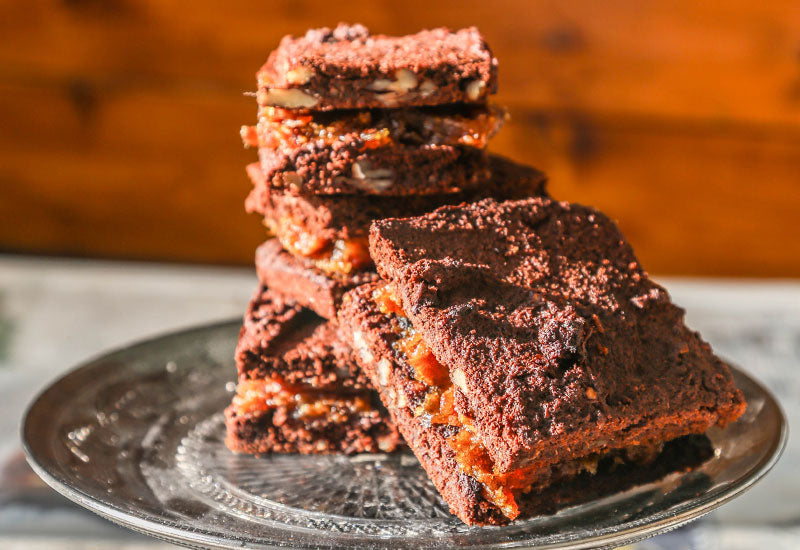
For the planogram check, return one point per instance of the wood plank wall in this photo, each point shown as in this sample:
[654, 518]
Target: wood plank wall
[680, 119]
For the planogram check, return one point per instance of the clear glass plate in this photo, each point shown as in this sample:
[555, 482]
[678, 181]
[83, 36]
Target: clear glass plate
[137, 436]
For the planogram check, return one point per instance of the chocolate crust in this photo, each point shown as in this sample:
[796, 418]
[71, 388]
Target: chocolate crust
[280, 338]
[296, 279]
[277, 431]
[349, 68]
[333, 218]
[551, 329]
[345, 168]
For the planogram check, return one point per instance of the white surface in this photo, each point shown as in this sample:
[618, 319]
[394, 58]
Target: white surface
[56, 313]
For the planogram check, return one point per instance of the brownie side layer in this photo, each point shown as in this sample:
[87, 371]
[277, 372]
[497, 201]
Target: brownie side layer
[349, 68]
[345, 168]
[325, 404]
[296, 279]
[333, 218]
[550, 328]
[278, 431]
[280, 338]
[679, 455]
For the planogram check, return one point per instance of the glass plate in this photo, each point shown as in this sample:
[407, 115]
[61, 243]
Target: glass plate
[137, 436]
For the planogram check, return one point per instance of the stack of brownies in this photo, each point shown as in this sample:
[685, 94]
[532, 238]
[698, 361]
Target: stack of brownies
[420, 290]
[351, 128]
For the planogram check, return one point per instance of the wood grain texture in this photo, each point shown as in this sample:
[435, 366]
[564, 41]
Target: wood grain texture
[120, 119]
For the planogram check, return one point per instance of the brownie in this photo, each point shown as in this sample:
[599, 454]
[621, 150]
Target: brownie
[299, 387]
[280, 338]
[375, 337]
[535, 334]
[328, 219]
[298, 279]
[345, 168]
[550, 327]
[347, 68]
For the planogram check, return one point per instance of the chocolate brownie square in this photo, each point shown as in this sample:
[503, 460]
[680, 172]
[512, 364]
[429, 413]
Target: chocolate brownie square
[299, 280]
[331, 232]
[438, 444]
[345, 169]
[378, 151]
[299, 389]
[529, 336]
[349, 68]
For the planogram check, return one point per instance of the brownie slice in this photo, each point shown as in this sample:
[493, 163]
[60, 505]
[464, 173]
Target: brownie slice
[299, 387]
[537, 338]
[346, 168]
[299, 280]
[349, 68]
[320, 227]
[433, 439]
[378, 151]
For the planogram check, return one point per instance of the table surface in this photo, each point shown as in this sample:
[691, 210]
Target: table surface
[54, 313]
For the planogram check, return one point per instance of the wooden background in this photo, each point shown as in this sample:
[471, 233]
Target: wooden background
[681, 119]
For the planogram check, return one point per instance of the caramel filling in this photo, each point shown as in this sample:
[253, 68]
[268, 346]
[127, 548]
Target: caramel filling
[258, 396]
[439, 406]
[285, 129]
[339, 256]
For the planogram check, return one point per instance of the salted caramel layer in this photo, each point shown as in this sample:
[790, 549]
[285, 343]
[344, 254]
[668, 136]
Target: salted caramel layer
[257, 396]
[285, 129]
[340, 256]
